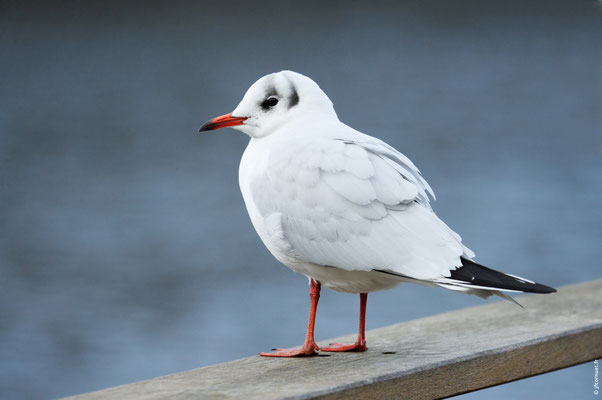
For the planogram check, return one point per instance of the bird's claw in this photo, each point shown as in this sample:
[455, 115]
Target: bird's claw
[357, 346]
[307, 350]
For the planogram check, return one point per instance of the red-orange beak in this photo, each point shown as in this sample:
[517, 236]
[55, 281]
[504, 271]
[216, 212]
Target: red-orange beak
[222, 122]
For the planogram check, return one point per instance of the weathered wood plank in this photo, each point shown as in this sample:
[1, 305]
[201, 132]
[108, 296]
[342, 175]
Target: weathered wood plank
[486, 346]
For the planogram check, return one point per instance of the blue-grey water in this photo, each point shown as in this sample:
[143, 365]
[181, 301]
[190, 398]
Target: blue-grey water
[125, 248]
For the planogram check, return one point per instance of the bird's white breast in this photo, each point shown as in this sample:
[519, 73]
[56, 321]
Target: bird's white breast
[253, 171]
[252, 167]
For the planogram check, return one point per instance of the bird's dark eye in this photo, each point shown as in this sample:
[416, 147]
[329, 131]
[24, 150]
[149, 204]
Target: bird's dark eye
[269, 103]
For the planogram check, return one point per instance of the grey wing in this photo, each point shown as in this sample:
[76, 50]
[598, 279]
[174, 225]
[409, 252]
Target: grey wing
[355, 205]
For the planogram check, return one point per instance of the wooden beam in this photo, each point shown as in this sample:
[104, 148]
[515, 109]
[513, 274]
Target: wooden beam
[432, 357]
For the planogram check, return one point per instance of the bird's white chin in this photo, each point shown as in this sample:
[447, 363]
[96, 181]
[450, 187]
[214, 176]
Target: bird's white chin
[246, 129]
[255, 131]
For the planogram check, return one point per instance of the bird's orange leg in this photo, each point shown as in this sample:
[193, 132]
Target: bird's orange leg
[360, 344]
[309, 347]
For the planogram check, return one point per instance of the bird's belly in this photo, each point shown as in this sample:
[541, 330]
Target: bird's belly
[347, 281]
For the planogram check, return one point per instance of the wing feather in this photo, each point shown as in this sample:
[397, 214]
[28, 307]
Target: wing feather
[356, 205]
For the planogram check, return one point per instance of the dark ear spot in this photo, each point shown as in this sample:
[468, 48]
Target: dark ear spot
[293, 99]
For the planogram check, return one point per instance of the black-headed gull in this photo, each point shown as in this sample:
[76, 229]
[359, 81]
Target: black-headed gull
[343, 208]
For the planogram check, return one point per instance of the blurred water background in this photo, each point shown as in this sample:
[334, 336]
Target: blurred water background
[126, 251]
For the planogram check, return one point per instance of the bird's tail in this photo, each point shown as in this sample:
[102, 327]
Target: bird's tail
[473, 278]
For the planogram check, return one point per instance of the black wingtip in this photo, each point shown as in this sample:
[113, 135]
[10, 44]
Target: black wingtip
[545, 289]
[479, 275]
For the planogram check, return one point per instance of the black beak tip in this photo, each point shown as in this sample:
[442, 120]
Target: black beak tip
[207, 127]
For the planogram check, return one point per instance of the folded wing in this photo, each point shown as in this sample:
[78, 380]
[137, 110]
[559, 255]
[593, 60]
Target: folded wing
[355, 205]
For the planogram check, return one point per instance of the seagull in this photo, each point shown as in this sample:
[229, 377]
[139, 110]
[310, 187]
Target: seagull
[344, 209]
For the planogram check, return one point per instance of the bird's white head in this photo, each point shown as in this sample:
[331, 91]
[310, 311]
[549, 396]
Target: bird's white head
[273, 101]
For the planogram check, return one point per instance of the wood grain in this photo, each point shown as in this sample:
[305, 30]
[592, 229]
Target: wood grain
[433, 357]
